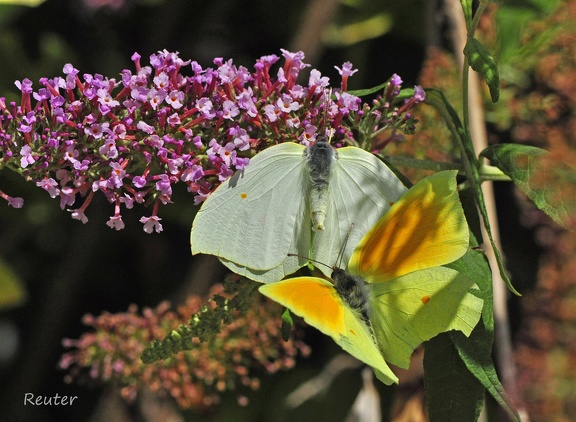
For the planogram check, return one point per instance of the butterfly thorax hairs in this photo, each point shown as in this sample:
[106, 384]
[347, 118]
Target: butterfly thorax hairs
[320, 157]
[354, 290]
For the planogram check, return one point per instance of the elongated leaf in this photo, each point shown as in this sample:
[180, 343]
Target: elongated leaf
[439, 101]
[467, 9]
[479, 362]
[452, 392]
[287, 324]
[482, 62]
[404, 93]
[476, 350]
[539, 176]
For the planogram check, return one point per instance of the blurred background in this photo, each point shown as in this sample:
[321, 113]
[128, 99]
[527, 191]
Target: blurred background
[54, 270]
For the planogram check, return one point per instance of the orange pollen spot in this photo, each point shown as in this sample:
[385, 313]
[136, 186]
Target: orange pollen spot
[243, 195]
[425, 299]
[352, 331]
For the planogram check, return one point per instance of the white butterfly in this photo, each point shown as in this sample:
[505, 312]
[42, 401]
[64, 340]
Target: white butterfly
[294, 199]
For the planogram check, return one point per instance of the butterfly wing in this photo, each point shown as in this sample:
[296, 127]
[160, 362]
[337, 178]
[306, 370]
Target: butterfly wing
[361, 190]
[415, 307]
[255, 218]
[316, 300]
[425, 228]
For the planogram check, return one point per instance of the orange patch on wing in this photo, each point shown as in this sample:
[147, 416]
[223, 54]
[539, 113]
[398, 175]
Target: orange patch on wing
[425, 299]
[243, 195]
[313, 299]
[425, 228]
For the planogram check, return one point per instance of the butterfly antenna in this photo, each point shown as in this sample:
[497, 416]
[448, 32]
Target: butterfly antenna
[310, 259]
[341, 253]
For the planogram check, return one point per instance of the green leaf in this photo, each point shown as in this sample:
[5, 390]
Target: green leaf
[438, 100]
[12, 292]
[403, 95]
[478, 360]
[467, 9]
[476, 350]
[287, 324]
[452, 392]
[529, 168]
[368, 91]
[483, 63]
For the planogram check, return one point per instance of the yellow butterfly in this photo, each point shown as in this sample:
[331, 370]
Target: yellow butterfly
[395, 294]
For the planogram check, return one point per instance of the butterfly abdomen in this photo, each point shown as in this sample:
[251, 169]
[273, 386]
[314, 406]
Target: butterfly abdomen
[320, 158]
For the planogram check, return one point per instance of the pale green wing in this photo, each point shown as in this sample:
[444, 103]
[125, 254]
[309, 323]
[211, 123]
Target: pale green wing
[289, 266]
[415, 307]
[316, 300]
[362, 188]
[259, 215]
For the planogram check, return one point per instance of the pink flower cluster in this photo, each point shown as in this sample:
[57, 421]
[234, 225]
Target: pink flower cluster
[135, 138]
[250, 345]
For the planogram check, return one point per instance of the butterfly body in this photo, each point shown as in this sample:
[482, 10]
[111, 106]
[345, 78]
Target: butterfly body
[320, 157]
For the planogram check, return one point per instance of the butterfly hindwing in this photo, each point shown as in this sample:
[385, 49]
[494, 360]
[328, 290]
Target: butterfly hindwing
[413, 308]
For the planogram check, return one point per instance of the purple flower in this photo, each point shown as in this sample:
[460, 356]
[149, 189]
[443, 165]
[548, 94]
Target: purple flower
[286, 104]
[117, 175]
[192, 174]
[162, 81]
[419, 93]
[79, 215]
[163, 185]
[316, 79]
[229, 110]
[67, 197]
[109, 149]
[50, 186]
[151, 224]
[115, 222]
[175, 99]
[16, 202]
[205, 107]
[144, 127]
[27, 158]
[139, 181]
[25, 86]
[96, 129]
[156, 96]
[346, 70]
[132, 140]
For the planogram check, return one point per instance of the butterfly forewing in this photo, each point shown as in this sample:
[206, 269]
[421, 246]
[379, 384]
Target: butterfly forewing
[424, 229]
